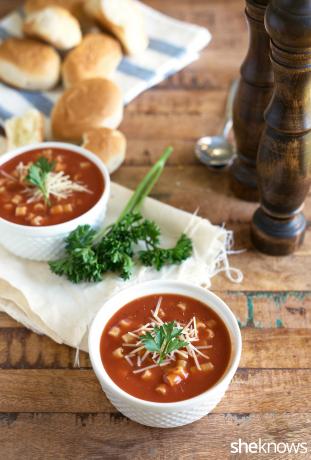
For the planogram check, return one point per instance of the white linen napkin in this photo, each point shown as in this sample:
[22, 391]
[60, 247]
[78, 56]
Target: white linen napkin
[51, 305]
[173, 45]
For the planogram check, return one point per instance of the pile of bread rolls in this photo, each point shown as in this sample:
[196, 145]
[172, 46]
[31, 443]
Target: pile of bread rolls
[81, 43]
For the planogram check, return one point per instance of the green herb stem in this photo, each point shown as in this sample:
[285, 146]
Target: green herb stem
[90, 254]
[143, 189]
[146, 185]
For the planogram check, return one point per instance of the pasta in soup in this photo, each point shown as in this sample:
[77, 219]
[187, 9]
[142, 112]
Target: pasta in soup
[50, 186]
[165, 348]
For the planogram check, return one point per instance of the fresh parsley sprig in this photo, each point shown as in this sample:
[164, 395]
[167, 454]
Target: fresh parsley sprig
[163, 340]
[38, 174]
[90, 254]
[157, 257]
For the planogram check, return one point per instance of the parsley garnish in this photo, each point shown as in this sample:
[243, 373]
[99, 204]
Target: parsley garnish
[157, 257]
[89, 255]
[163, 340]
[37, 176]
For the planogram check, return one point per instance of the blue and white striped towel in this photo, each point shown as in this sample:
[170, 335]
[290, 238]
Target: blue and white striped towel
[173, 45]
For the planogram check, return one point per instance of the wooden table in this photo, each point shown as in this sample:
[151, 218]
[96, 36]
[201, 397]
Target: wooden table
[49, 410]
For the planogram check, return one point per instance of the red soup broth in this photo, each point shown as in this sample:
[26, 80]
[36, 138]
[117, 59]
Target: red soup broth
[14, 201]
[180, 379]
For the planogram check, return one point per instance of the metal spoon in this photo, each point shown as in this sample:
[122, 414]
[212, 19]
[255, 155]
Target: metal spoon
[215, 151]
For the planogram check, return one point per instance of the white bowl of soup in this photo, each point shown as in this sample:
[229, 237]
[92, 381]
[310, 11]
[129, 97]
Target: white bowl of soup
[165, 352]
[35, 227]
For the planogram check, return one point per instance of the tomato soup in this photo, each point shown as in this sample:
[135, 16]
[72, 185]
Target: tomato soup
[74, 186]
[165, 348]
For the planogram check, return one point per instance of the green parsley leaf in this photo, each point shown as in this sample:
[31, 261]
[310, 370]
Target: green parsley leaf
[81, 261]
[158, 257]
[163, 340]
[37, 176]
[89, 254]
[88, 260]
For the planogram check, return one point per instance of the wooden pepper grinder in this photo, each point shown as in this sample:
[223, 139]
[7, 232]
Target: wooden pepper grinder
[284, 156]
[254, 94]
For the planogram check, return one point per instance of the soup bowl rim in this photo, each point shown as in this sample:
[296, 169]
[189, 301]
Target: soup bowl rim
[72, 223]
[212, 301]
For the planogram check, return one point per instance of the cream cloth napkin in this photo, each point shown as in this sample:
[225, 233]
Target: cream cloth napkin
[51, 305]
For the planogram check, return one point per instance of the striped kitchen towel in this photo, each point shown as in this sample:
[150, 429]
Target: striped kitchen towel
[173, 45]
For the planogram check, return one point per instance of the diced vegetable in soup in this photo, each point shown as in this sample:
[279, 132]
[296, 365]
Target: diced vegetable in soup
[165, 348]
[48, 187]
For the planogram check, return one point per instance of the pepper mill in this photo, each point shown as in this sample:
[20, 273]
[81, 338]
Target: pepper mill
[253, 96]
[284, 155]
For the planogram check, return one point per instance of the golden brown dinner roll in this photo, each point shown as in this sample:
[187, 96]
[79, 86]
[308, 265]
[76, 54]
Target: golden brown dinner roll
[91, 103]
[70, 5]
[54, 25]
[98, 55]
[75, 7]
[28, 64]
[3, 143]
[108, 144]
[25, 129]
[123, 19]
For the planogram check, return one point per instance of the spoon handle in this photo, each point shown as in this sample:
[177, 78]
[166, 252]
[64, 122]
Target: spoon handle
[229, 109]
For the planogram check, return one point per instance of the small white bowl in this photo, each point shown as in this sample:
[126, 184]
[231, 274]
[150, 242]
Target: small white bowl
[164, 415]
[47, 243]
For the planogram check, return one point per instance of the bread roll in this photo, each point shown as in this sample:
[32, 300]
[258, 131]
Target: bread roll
[28, 64]
[98, 55]
[35, 5]
[91, 103]
[24, 130]
[108, 144]
[3, 140]
[75, 7]
[123, 19]
[54, 25]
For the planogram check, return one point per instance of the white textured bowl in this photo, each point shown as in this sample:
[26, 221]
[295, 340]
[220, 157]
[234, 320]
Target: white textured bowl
[164, 415]
[47, 243]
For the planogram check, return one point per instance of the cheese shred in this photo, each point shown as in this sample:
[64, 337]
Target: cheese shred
[189, 334]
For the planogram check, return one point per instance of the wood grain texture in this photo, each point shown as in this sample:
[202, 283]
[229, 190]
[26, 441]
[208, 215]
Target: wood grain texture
[283, 160]
[97, 436]
[254, 94]
[49, 409]
[275, 329]
[263, 348]
[252, 390]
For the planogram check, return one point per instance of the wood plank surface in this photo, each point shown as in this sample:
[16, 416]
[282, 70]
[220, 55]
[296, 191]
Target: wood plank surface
[252, 390]
[51, 410]
[22, 349]
[112, 437]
